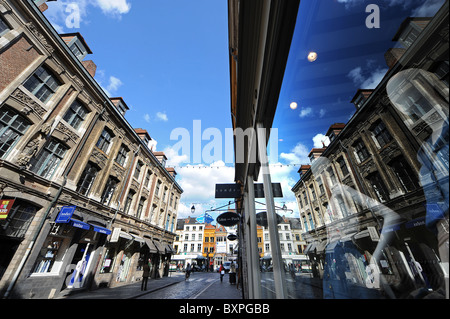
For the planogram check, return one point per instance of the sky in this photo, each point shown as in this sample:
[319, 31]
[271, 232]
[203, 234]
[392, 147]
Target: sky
[169, 61]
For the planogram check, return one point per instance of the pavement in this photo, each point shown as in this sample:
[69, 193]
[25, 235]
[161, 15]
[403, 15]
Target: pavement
[212, 289]
[130, 291]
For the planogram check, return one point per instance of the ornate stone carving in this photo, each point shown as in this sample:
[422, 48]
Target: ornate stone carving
[117, 171]
[98, 158]
[68, 133]
[40, 37]
[29, 104]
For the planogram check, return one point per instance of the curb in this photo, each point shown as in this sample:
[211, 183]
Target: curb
[153, 290]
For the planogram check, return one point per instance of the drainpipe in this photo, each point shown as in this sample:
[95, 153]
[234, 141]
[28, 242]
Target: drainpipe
[50, 207]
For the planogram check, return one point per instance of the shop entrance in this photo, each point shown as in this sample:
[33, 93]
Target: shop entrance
[81, 259]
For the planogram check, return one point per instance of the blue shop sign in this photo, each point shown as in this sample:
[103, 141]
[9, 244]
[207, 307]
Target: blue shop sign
[102, 230]
[79, 224]
[65, 214]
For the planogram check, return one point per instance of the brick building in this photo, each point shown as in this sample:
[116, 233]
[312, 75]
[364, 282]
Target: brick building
[65, 143]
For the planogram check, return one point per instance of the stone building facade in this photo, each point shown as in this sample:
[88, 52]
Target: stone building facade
[89, 200]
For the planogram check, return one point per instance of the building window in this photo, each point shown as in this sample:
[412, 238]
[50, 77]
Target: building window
[158, 186]
[87, 179]
[122, 155]
[147, 178]
[311, 221]
[75, 115]
[342, 206]
[140, 207]
[104, 140]
[42, 84]
[137, 170]
[3, 26]
[128, 201]
[404, 174]
[332, 177]
[18, 220]
[416, 104]
[343, 166]
[381, 133]
[378, 187]
[49, 159]
[442, 71]
[361, 151]
[313, 192]
[109, 190]
[321, 188]
[12, 128]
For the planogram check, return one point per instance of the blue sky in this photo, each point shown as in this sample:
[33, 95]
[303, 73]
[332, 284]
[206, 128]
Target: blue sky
[169, 61]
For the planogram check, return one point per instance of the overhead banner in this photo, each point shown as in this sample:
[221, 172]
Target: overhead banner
[5, 207]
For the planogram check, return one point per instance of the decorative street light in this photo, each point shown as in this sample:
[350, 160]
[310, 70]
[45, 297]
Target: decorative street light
[192, 209]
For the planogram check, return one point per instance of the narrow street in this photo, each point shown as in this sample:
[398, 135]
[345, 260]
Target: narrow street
[198, 286]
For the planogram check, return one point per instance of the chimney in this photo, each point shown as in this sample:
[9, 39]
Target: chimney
[90, 67]
[393, 55]
[43, 7]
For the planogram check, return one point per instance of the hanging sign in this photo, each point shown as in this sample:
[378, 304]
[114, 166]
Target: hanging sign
[65, 214]
[232, 237]
[228, 219]
[261, 219]
[5, 206]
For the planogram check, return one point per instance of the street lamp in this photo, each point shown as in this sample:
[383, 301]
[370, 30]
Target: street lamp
[192, 209]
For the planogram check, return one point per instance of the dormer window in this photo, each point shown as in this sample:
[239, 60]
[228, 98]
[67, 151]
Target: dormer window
[76, 44]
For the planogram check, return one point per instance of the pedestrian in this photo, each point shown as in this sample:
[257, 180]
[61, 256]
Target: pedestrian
[188, 270]
[145, 275]
[232, 273]
[222, 272]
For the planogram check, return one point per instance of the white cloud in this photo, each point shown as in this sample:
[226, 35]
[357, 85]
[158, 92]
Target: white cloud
[114, 7]
[162, 116]
[367, 78]
[147, 117]
[298, 155]
[320, 139]
[305, 112]
[199, 181]
[173, 158]
[152, 144]
[114, 84]
[65, 16]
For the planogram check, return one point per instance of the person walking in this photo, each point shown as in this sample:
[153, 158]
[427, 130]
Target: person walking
[233, 273]
[145, 275]
[222, 272]
[188, 271]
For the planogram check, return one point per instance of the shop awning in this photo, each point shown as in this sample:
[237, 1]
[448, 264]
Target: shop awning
[101, 230]
[125, 235]
[320, 248]
[160, 248]
[331, 246]
[169, 249]
[151, 246]
[310, 248]
[79, 224]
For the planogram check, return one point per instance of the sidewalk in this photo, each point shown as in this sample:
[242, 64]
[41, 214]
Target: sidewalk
[129, 291]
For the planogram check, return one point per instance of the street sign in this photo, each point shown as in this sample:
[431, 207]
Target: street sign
[276, 189]
[261, 219]
[228, 219]
[228, 191]
[208, 219]
[234, 190]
